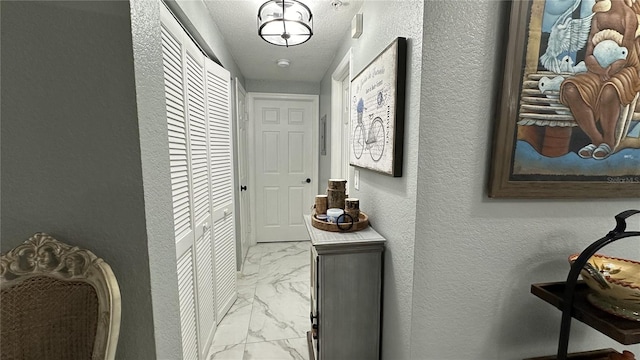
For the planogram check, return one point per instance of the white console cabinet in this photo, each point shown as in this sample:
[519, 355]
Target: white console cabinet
[346, 288]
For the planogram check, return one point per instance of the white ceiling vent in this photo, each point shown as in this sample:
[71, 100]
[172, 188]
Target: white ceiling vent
[283, 63]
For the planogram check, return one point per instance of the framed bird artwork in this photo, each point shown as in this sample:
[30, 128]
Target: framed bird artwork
[568, 122]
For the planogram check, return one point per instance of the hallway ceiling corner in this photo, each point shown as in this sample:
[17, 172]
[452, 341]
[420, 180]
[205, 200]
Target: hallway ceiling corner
[257, 59]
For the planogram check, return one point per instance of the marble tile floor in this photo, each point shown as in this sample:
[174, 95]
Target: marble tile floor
[270, 318]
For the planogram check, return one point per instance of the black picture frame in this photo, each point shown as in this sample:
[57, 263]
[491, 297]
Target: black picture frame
[376, 137]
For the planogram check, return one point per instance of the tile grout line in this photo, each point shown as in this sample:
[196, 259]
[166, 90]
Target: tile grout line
[253, 301]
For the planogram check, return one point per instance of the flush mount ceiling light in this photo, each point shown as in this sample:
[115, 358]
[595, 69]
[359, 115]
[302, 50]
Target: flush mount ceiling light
[285, 22]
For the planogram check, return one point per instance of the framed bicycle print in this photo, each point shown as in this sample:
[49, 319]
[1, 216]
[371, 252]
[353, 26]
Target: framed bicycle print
[568, 120]
[377, 112]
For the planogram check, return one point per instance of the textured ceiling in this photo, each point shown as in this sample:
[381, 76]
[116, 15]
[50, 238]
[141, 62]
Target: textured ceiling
[237, 21]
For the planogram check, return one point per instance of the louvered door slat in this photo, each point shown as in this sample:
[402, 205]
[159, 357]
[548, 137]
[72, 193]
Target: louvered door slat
[218, 101]
[186, 293]
[176, 129]
[206, 286]
[172, 73]
[176, 136]
[198, 137]
[218, 113]
[175, 113]
[225, 266]
[174, 97]
[171, 55]
[219, 105]
[181, 173]
[176, 145]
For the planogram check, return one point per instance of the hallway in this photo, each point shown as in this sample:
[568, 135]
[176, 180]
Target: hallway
[270, 318]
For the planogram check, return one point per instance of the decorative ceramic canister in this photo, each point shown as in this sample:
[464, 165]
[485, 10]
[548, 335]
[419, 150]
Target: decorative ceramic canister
[333, 214]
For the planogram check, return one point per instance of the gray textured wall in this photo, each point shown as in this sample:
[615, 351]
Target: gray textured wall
[70, 146]
[154, 156]
[475, 257]
[390, 202]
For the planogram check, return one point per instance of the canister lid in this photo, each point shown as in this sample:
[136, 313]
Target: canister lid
[334, 212]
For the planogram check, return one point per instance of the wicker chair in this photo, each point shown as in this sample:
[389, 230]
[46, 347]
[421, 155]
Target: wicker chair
[57, 302]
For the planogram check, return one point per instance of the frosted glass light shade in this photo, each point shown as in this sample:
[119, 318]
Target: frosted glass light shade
[285, 22]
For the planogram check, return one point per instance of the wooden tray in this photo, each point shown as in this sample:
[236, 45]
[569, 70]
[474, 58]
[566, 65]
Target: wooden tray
[587, 355]
[624, 331]
[361, 224]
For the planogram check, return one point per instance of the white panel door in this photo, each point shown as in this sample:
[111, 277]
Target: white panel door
[243, 170]
[285, 165]
[222, 182]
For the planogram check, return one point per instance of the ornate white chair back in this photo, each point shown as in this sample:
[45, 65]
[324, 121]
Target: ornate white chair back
[57, 302]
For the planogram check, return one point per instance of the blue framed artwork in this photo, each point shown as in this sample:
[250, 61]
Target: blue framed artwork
[568, 122]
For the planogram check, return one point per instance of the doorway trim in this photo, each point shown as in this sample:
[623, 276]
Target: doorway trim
[245, 239]
[251, 98]
[339, 154]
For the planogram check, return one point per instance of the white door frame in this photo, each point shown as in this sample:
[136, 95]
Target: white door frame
[339, 155]
[251, 98]
[245, 228]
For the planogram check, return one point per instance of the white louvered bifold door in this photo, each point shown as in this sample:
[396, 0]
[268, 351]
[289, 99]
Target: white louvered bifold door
[177, 126]
[199, 146]
[219, 114]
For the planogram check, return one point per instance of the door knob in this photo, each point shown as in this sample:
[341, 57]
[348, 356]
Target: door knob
[308, 180]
